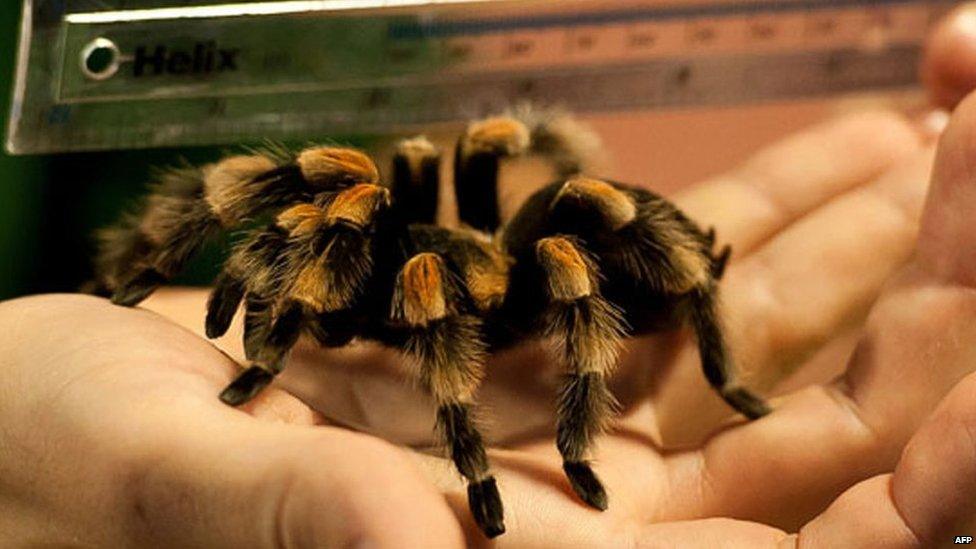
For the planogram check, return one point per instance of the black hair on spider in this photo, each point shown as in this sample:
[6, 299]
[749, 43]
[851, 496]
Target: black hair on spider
[584, 263]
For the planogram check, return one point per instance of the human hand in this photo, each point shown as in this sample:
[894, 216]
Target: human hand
[816, 231]
[111, 435]
[839, 215]
[837, 440]
[823, 259]
[795, 292]
[210, 475]
[916, 347]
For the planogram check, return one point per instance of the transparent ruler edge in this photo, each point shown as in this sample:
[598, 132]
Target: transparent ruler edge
[492, 92]
[476, 25]
[508, 81]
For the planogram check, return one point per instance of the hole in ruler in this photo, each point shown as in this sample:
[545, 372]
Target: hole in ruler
[100, 59]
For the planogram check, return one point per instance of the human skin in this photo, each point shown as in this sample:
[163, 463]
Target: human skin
[111, 433]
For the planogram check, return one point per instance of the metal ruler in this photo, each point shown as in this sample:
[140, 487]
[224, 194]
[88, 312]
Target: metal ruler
[116, 74]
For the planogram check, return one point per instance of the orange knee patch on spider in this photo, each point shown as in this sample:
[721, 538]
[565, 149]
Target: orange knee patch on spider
[501, 135]
[616, 206]
[567, 272]
[357, 204]
[331, 165]
[302, 219]
[225, 185]
[420, 296]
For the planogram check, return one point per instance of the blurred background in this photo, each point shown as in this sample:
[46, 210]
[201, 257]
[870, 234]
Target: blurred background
[51, 204]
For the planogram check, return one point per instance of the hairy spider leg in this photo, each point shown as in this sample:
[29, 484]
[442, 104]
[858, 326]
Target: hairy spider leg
[587, 330]
[650, 241]
[416, 180]
[259, 318]
[549, 133]
[714, 354]
[188, 206]
[719, 260]
[251, 273]
[320, 269]
[268, 359]
[477, 159]
[447, 345]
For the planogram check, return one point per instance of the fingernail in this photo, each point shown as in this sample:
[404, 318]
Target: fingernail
[949, 65]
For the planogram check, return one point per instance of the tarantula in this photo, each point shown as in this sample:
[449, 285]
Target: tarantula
[583, 263]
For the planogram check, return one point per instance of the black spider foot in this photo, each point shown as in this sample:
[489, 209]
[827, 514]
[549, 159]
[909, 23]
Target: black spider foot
[486, 507]
[586, 484]
[246, 386]
[138, 288]
[745, 402]
[721, 261]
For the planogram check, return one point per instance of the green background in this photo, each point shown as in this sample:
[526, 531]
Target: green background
[51, 206]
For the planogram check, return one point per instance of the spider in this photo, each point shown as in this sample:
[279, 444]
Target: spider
[583, 263]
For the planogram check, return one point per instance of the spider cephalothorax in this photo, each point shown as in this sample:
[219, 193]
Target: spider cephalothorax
[583, 263]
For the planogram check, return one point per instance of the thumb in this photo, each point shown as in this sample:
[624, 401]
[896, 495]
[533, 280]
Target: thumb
[947, 222]
[927, 502]
[949, 66]
[233, 481]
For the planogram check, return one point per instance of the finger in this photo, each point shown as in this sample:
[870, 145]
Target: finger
[916, 347]
[713, 532]
[787, 180]
[542, 511]
[863, 516]
[794, 294]
[927, 501]
[933, 485]
[824, 438]
[821, 274]
[949, 66]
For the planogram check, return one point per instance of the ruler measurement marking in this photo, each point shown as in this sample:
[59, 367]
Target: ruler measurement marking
[569, 54]
[759, 51]
[473, 27]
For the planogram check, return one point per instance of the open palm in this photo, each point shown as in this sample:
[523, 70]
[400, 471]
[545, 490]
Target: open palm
[816, 232]
[111, 433]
